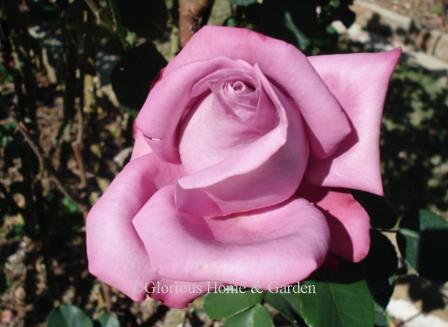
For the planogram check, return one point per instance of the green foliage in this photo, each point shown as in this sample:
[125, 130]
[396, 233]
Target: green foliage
[221, 305]
[283, 305]
[352, 296]
[431, 221]
[5, 77]
[238, 308]
[334, 303]
[381, 318]
[243, 2]
[409, 242]
[6, 134]
[256, 316]
[70, 206]
[307, 24]
[418, 245]
[68, 316]
[438, 9]
[108, 320]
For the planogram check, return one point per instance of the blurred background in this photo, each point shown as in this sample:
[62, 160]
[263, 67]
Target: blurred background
[73, 75]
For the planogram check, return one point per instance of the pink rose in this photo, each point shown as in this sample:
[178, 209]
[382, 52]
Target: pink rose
[244, 153]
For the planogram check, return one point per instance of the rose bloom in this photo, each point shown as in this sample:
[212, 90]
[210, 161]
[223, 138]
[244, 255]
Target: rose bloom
[245, 154]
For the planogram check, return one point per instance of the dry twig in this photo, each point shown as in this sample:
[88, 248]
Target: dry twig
[44, 163]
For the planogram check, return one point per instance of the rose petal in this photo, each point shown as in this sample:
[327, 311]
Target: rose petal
[115, 252]
[349, 222]
[286, 66]
[263, 173]
[177, 294]
[141, 147]
[251, 250]
[169, 101]
[210, 136]
[360, 83]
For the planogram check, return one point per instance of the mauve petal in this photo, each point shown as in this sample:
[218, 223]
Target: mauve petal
[286, 66]
[141, 147]
[210, 136]
[251, 250]
[178, 294]
[349, 222]
[168, 102]
[360, 83]
[115, 252]
[263, 173]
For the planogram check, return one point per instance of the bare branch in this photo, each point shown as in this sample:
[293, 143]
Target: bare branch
[192, 15]
[44, 163]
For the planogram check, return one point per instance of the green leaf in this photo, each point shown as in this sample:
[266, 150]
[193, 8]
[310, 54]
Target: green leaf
[334, 304]
[335, 3]
[418, 245]
[108, 319]
[231, 21]
[68, 316]
[408, 242]
[257, 316]
[380, 316]
[431, 221]
[243, 2]
[221, 305]
[70, 206]
[279, 302]
[438, 9]
[290, 20]
[302, 40]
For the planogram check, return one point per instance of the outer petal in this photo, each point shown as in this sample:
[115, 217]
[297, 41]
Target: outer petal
[360, 83]
[115, 252]
[251, 250]
[177, 294]
[283, 64]
[263, 173]
[349, 222]
[141, 146]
